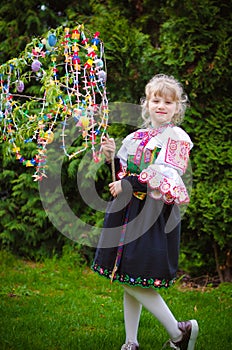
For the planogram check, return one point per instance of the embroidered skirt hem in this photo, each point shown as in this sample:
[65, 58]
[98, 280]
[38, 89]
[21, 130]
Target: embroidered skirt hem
[131, 281]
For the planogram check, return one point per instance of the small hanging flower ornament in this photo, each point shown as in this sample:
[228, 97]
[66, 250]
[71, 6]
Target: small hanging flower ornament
[75, 34]
[95, 39]
[76, 58]
[36, 65]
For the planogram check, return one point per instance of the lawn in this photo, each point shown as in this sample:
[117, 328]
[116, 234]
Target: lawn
[60, 305]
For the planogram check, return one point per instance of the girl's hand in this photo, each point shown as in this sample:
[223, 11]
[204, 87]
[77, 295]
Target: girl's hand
[115, 188]
[108, 147]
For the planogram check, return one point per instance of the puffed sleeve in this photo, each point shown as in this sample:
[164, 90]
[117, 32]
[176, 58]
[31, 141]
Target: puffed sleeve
[120, 160]
[122, 156]
[164, 176]
[129, 146]
[125, 149]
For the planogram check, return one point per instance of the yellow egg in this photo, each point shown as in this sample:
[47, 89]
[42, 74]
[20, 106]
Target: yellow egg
[49, 136]
[84, 122]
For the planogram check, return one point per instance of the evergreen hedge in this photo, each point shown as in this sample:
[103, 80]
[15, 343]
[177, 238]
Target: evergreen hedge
[191, 41]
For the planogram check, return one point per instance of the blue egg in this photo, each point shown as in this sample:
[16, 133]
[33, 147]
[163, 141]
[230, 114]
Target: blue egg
[52, 40]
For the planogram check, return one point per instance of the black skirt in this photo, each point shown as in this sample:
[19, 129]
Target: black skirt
[141, 238]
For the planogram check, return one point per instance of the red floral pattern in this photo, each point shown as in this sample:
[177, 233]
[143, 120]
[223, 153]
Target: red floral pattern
[163, 187]
[177, 153]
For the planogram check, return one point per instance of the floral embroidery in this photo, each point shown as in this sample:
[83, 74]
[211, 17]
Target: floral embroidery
[147, 155]
[146, 136]
[140, 149]
[122, 172]
[163, 187]
[177, 153]
[138, 281]
[144, 176]
[156, 181]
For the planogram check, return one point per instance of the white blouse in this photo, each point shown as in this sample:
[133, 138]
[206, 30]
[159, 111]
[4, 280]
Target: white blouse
[163, 177]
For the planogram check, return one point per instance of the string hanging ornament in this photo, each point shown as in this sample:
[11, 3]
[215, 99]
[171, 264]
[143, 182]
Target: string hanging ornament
[57, 78]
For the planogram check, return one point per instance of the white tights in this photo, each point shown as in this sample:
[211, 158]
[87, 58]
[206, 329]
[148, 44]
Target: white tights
[134, 299]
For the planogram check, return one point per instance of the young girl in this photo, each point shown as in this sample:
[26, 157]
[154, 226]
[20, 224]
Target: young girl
[139, 245]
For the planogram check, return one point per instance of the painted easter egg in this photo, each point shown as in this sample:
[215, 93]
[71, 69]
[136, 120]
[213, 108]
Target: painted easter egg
[49, 136]
[102, 75]
[52, 40]
[99, 63]
[84, 121]
[35, 66]
[20, 86]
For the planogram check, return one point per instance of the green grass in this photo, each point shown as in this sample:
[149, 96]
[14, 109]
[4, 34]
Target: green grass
[58, 305]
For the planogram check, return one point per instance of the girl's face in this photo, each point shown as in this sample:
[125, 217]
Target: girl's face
[161, 110]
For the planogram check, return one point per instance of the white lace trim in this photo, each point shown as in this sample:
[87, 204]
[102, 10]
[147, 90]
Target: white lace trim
[169, 189]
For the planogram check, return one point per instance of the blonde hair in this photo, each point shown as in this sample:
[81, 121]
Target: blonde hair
[165, 86]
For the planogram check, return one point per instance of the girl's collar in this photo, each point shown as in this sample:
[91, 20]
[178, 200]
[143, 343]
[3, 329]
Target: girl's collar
[161, 127]
[151, 132]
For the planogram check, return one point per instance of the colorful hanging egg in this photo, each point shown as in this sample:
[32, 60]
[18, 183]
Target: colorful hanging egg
[20, 86]
[84, 121]
[99, 63]
[49, 136]
[35, 66]
[52, 40]
[102, 75]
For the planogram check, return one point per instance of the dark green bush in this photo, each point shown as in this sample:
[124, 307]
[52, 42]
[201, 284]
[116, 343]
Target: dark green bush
[190, 40]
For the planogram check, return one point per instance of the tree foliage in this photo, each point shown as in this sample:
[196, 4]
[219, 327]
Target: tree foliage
[190, 40]
[195, 47]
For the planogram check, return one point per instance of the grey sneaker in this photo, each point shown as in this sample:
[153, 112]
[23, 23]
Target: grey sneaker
[130, 346]
[189, 330]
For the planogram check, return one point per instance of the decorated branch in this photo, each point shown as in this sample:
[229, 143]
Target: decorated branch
[59, 77]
